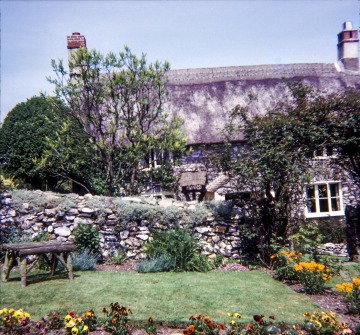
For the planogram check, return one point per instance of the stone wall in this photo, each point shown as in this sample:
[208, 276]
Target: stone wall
[61, 214]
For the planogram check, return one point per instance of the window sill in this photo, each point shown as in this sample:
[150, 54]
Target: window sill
[323, 215]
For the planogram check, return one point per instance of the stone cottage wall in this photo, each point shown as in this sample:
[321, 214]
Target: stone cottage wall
[61, 214]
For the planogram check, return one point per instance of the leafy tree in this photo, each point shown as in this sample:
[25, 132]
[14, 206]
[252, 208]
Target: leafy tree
[344, 131]
[31, 145]
[118, 100]
[275, 159]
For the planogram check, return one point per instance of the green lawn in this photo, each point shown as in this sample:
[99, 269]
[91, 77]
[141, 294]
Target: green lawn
[170, 297]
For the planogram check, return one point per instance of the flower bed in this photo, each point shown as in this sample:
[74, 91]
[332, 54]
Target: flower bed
[117, 321]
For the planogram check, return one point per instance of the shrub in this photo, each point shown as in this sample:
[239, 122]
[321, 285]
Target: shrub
[83, 260]
[157, 263]
[176, 245]
[39, 200]
[87, 237]
[7, 184]
[196, 216]
[132, 211]
[117, 258]
[312, 276]
[170, 216]
[332, 230]
[307, 239]
[220, 208]
[283, 263]
[351, 295]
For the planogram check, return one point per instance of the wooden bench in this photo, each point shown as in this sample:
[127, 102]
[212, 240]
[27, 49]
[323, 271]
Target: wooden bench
[51, 251]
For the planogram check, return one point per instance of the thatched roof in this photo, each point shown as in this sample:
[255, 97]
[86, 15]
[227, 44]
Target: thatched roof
[202, 97]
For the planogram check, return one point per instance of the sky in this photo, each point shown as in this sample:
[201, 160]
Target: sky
[188, 34]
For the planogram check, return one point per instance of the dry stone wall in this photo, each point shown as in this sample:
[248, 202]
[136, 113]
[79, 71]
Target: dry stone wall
[61, 214]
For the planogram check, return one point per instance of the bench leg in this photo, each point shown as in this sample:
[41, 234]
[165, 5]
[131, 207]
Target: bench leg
[8, 264]
[70, 266]
[23, 272]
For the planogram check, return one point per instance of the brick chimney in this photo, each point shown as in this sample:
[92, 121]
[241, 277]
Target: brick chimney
[76, 41]
[348, 47]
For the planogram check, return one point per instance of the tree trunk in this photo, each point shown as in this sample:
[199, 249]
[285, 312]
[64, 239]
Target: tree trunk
[353, 232]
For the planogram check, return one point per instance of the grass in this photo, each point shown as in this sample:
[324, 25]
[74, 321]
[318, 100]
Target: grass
[169, 297]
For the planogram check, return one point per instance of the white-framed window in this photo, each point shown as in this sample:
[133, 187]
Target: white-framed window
[156, 158]
[324, 199]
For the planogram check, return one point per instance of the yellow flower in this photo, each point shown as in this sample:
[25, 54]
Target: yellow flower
[356, 282]
[229, 315]
[70, 323]
[74, 331]
[4, 311]
[232, 322]
[11, 310]
[237, 315]
[68, 318]
[79, 321]
[86, 328]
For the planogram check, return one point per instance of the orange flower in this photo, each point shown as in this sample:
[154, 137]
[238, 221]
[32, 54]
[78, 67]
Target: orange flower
[207, 320]
[198, 316]
[220, 326]
[150, 320]
[191, 329]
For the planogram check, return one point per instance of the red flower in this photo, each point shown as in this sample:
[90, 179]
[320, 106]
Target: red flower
[150, 320]
[259, 318]
[207, 320]
[220, 326]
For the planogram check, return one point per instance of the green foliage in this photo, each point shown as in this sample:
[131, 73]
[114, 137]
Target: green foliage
[156, 263]
[117, 319]
[283, 263]
[129, 211]
[179, 247]
[307, 239]
[39, 142]
[220, 208]
[7, 184]
[117, 258]
[196, 216]
[343, 130]
[38, 200]
[87, 237]
[218, 260]
[351, 295]
[313, 276]
[118, 101]
[84, 260]
[170, 216]
[275, 160]
[332, 231]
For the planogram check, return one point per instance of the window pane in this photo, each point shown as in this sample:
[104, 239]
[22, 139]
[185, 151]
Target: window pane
[311, 206]
[334, 190]
[335, 204]
[322, 189]
[310, 192]
[324, 205]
